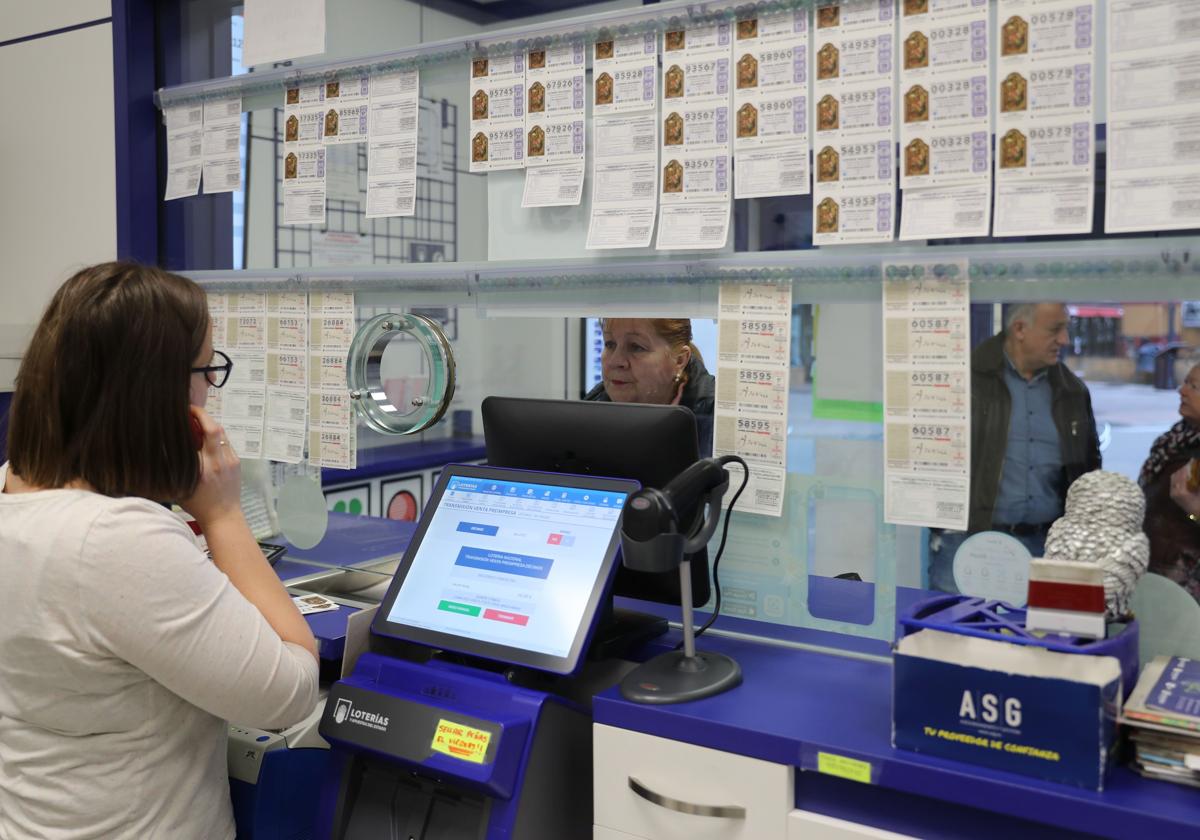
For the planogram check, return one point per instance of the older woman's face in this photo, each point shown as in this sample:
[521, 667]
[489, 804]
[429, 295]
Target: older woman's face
[1189, 397]
[637, 363]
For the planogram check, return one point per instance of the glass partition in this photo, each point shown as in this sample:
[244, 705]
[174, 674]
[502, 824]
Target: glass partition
[830, 562]
[513, 289]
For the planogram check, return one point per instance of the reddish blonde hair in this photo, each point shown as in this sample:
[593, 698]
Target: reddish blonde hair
[677, 332]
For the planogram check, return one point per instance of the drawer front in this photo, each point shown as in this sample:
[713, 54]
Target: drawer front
[805, 825]
[685, 792]
[599, 832]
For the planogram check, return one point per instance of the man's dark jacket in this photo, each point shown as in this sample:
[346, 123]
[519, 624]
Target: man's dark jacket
[991, 410]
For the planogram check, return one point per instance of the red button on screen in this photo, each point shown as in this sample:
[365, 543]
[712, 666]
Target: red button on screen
[506, 617]
[555, 539]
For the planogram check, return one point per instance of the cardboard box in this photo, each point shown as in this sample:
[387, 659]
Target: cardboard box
[1018, 708]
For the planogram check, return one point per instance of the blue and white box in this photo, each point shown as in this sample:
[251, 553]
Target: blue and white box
[1017, 708]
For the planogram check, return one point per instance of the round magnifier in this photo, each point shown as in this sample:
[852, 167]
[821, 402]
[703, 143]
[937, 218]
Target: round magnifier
[401, 373]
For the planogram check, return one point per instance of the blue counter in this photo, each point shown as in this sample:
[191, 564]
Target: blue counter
[796, 703]
[349, 541]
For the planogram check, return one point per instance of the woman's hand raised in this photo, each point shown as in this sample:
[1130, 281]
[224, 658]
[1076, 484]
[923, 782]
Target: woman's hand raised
[218, 494]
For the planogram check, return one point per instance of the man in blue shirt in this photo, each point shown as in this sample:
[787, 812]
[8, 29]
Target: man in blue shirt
[1032, 434]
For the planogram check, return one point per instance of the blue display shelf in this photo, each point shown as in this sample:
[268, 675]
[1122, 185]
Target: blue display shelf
[997, 621]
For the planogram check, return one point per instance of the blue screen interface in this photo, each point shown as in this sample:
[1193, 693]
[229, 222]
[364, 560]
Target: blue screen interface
[508, 562]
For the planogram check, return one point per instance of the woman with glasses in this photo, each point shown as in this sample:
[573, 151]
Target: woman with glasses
[124, 649]
[1170, 479]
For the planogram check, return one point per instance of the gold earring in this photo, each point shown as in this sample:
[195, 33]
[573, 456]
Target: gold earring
[677, 378]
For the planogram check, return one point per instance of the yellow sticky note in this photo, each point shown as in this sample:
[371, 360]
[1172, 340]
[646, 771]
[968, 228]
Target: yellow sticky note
[458, 740]
[843, 767]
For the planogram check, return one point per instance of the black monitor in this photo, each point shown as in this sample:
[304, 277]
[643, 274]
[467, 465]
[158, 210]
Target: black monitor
[648, 443]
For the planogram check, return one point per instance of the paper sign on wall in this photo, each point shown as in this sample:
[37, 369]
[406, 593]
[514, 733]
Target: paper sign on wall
[392, 147]
[926, 394]
[555, 122]
[244, 397]
[945, 128]
[696, 164]
[1045, 116]
[185, 159]
[854, 130]
[222, 144]
[333, 439]
[496, 87]
[304, 155]
[287, 377]
[750, 416]
[624, 144]
[770, 105]
[278, 30]
[1153, 115]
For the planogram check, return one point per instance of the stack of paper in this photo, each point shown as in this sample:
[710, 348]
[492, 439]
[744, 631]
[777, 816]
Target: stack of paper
[1163, 715]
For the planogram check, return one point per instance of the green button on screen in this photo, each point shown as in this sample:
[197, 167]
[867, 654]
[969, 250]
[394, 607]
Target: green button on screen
[461, 609]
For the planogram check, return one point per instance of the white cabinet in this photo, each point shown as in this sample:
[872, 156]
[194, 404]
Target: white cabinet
[651, 788]
[805, 825]
[599, 832]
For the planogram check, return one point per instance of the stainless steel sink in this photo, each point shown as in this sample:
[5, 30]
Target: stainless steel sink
[365, 583]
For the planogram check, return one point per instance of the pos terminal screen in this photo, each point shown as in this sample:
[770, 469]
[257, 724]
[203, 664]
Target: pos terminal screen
[508, 565]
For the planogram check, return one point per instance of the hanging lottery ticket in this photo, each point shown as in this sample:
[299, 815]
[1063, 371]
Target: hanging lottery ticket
[853, 122]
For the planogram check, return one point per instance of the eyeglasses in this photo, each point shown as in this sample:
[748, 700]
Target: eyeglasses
[216, 374]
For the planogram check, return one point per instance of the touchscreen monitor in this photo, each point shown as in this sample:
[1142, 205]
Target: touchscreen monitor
[508, 565]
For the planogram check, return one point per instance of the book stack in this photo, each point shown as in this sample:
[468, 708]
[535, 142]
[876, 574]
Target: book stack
[1163, 716]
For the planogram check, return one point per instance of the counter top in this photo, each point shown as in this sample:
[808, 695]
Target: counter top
[795, 703]
[349, 541]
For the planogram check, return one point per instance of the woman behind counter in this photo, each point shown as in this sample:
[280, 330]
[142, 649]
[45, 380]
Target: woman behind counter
[653, 360]
[123, 649]
[1172, 508]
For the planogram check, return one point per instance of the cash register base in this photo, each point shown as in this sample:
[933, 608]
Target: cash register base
[440, 751]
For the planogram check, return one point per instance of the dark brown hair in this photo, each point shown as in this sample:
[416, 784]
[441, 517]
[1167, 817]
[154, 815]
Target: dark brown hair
[103, 390]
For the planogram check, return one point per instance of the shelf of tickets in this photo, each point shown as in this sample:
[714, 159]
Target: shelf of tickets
[1123, 270]
[659, 17]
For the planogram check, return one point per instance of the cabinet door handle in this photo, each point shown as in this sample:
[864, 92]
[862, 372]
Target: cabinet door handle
[732, 812]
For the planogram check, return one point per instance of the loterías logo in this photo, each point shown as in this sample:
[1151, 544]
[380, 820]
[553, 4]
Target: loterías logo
[344, 712]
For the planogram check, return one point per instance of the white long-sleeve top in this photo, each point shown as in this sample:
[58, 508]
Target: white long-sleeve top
[123, 652]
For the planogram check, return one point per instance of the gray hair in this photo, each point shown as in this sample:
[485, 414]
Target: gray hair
[1025, 312]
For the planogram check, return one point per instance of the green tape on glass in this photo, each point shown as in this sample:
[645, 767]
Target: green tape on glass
[858, 412]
